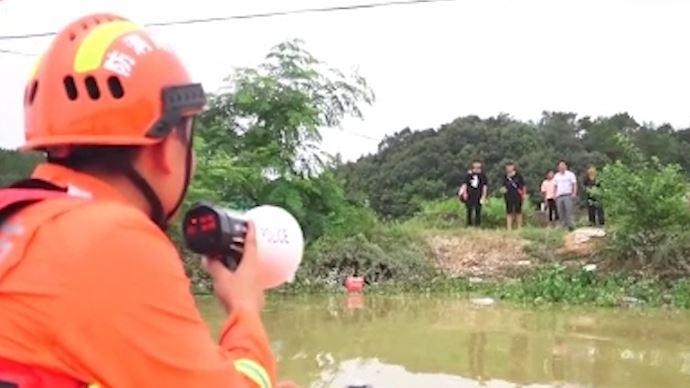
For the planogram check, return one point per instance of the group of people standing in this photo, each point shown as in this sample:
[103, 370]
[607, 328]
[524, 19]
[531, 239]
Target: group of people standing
[559, 192]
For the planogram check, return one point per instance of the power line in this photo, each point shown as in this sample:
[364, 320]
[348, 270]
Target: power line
[356, 134]
[14, 52]
[295, 12]
[253, 16]
[363, 136]
[246, 16]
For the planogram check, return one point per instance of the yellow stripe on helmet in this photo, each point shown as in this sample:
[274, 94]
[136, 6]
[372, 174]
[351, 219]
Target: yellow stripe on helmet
[254, 372]
[35, 66]
[92, 49]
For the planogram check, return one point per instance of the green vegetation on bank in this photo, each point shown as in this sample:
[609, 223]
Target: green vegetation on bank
[647, 203]
[558, 284]
[259, 143]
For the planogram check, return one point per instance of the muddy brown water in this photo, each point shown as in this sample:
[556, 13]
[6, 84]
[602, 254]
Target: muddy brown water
[417, 341]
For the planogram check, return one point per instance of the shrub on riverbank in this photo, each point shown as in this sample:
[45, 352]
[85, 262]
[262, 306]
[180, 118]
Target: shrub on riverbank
[388, 253]
[577, 286]
[648, 215]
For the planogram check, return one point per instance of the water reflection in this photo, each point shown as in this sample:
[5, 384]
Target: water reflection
[373, 373]
[476, 355]
[319, 338]
[355, 301]
[517, 350]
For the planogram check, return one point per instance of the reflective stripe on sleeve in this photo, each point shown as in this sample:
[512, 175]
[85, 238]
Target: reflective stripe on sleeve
[254, 372]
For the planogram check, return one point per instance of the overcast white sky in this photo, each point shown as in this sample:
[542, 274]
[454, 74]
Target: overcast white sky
[427, 63]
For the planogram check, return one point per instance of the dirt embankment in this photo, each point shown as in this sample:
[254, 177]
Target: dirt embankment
[496, 254]
[583, 241]
[479, 254]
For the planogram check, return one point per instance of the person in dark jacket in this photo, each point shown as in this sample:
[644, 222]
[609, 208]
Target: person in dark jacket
[514, 192]
[473, 192]
[595, 208]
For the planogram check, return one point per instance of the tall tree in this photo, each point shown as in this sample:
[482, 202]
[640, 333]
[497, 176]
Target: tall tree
[259, 140]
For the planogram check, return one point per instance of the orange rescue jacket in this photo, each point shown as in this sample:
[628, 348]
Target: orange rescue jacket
[91, 288]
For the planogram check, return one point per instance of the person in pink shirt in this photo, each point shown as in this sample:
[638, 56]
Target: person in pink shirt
[548, 192]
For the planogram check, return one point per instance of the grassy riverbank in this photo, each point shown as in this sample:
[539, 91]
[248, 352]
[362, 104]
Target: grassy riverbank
[434, 253]
[545, 284]
[533, 266]
[548, 284]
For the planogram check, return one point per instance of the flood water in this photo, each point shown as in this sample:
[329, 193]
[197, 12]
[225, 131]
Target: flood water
[416, 341]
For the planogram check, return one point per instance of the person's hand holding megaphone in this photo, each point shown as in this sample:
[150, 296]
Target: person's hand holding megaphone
[240, 289]
[268, 237]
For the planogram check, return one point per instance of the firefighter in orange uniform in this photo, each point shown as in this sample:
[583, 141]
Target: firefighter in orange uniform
[92, 291]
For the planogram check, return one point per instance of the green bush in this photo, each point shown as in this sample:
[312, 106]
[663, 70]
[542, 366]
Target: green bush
[350, 220]
[390, 253]
[648, 215]
[552, 284]
[494, 213]
[560, 284]
[15, 166]
[442, 214]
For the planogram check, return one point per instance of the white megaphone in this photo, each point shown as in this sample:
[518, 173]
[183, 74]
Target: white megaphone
[219, 234]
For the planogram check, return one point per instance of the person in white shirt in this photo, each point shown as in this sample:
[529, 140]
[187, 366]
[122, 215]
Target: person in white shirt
[566, 192]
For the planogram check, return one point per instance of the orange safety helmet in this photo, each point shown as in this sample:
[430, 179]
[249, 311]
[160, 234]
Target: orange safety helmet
[106, 81]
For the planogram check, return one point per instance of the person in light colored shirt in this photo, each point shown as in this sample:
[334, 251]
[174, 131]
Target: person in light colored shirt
[566, 192]
[548, 192]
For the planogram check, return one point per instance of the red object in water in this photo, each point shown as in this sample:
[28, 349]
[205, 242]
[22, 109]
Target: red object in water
[354, 284]
[355, 300]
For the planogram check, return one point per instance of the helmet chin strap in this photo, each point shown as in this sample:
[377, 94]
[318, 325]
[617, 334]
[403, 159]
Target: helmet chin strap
[187, 177]
[176, 100]
[158, 215]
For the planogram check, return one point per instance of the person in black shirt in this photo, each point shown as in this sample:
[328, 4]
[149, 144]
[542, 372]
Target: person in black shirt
[514, 193]
[594, 206]
[473, 193]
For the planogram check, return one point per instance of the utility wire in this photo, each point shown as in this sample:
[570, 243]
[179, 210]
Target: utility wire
[14, 52]
[245, 16]
[362, 136]
[295, 12]
[356, 134]
[253, 16]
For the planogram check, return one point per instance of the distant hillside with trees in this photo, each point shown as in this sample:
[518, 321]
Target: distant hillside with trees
[412, 167]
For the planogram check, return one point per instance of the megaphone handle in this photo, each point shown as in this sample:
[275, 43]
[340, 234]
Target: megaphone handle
[227, 260]
[230, 262]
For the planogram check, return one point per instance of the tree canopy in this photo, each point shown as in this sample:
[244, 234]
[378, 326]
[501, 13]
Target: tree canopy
[258, 143]
[412, 167]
